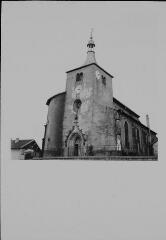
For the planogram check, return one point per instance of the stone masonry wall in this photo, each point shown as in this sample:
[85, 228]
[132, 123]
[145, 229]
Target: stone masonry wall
[53, 139]
[86, 93]
[96, 116]
[103, 119]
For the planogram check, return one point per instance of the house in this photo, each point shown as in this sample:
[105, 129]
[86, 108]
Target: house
[24, 149]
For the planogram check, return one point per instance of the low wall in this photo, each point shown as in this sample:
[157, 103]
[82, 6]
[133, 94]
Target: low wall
[106, 158]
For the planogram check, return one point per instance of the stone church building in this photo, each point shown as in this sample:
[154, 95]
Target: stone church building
[87, 120]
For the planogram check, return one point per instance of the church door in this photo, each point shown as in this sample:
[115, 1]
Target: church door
[75, 146]
[76, 150]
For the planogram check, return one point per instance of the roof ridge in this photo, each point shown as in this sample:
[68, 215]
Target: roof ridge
[29, 141]
[126, 107]
[48, 100]
[90, 65]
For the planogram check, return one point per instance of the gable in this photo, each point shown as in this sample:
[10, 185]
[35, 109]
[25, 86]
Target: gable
[90, 65]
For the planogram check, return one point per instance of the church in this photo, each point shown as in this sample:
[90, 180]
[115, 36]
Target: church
[86, 119]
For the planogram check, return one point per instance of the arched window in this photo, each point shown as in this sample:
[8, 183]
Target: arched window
[79, 78]
[138, 140]
[138, 135]
[126, 135]
[77, 106]
[134, 138]
[144, 139]
[103, 80]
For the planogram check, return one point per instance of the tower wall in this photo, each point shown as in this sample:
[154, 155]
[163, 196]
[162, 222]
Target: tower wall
[103, 135]
[53, 138]
[86, 97]
[95, 119]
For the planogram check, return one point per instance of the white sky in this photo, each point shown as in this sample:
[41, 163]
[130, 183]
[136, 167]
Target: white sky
[42, 40]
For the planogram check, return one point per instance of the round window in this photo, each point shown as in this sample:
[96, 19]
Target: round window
[77, 106]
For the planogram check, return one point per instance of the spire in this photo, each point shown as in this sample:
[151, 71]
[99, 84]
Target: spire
[90, 53]
[91, 43]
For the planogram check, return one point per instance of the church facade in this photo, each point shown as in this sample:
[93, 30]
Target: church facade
[87, 120]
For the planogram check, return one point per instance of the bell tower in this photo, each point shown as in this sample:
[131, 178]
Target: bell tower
[88, 114]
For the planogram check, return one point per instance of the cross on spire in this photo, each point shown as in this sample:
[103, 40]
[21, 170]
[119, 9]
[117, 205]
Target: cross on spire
[90, 53]
[91, 33]
[91, 43]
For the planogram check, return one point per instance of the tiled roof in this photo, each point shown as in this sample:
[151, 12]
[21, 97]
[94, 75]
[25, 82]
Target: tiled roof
[125, 107]
[20, 143]
[49, 100]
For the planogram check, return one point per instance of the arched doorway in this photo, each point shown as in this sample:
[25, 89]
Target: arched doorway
[75, 145]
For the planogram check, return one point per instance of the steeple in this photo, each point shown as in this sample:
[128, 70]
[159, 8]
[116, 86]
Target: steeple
[90, 53]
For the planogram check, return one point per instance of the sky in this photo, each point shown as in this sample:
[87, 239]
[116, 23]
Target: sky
[43, 40]
[78, 200]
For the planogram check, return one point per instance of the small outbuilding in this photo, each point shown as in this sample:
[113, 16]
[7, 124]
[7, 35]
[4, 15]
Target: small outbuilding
[24, 149]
